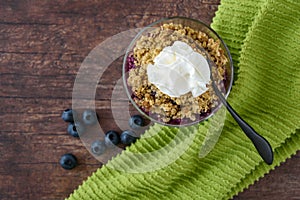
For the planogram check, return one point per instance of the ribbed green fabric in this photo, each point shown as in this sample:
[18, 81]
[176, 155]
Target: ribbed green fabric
[264, 39]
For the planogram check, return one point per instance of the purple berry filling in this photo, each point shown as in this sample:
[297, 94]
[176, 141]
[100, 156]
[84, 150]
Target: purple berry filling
[130, 63]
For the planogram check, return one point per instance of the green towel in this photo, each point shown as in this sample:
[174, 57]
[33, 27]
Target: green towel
[264, 39]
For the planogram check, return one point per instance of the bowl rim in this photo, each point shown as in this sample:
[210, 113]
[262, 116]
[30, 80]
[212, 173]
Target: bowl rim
[129, 48]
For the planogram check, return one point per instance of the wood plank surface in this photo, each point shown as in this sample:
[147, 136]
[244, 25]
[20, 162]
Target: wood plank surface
[42, 45]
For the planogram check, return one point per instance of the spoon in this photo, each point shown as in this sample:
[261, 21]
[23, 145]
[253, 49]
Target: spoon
[261, 144]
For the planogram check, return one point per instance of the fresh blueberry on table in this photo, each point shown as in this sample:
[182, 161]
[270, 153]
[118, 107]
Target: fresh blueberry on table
[68, 161]
[76, 129]
[98, 147]
[67, 115]
[112, 137]
[89, 117]
[128, 137]
[136, 121]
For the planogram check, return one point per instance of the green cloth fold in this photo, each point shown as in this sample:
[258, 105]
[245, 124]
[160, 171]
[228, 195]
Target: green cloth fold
[264, 39]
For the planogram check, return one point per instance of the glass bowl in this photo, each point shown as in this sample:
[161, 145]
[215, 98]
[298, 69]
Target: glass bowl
[152, 39]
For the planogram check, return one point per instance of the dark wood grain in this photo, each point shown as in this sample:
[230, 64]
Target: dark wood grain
[42, 45]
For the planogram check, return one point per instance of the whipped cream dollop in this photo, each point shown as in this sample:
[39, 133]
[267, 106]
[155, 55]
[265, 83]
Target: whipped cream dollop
[178, 69]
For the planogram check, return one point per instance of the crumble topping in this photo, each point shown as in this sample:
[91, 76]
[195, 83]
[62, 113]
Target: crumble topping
[149, 98]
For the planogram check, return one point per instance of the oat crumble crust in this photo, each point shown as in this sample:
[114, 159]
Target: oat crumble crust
[149, 98]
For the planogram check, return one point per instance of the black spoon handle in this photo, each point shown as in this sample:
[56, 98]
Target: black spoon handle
[261, 144]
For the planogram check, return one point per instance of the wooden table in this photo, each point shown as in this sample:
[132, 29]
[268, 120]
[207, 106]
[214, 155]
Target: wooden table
[42, 45]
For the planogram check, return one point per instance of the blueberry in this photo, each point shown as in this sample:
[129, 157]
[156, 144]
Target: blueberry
[136, 121]
[89, 117]
[76, 129]
[98, 147]
[128, 137]
[67, 115]
[112, 137]
[68, 161]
